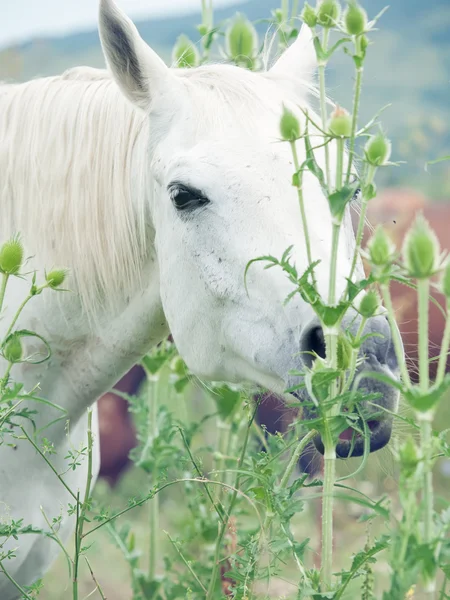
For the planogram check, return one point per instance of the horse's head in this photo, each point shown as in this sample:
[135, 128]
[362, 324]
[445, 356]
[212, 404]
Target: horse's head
[222, 195]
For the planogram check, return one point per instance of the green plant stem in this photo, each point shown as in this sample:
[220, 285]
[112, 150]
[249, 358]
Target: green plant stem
[216, 506]
[336, 229]
[425, 420]
[224, 523]
[301, 203]
[445, 344]
[294, 11]
[223, 443]
[82, 510]
[14, 582]
[356, 101]
[423, 290]
[323, 104]
[354, 359]
[285, 10]
[151, 494]
[293, 461]
[396, 339]
[362, 218]
[21, 307]
[187, 563]
[97, 585]
[336, 225]
[327, 508]
[76, 553]
[39, 451]
[5, 278]
[153, 400]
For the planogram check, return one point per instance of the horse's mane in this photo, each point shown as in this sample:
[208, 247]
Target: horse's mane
[69, 142]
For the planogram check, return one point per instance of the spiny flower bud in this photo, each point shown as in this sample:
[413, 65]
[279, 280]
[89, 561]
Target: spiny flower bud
[381, 249]
[56, 277]
[12, 350]
[185, 53]
[309, 16]
[408, 457]
[289, 126]
[445, 281]
[355, 19]
[242, 41]
[421, 251]
[369, 305]
[363, 44]
[340, 123]
[11, 256]
[377, 150]
[344, 353]
[328, 12]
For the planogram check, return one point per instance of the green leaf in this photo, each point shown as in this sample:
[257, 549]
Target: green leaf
[425, 402]
[338, 200]
[331, 315]
[227, 401]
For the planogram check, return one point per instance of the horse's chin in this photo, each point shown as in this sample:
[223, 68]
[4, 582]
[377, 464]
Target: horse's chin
[352, 444]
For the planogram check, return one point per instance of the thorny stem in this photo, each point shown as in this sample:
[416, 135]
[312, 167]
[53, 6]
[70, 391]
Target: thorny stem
[443, 357]
[186, 562]
[224, 523]
[293, 461]
[153, 398]
[14, 582]
[22, 306]
[5, 277]
[336, 224]
[39, 451]
[99, 589]
[423, 289]
[327, 507]
[336, 229]
[354, 358]
[77, 552]
[356, 99]
[301, 203]
[81, 514]
[362, 219]
[425, 420]
[323, 105]
[216, 506]
[224, 428]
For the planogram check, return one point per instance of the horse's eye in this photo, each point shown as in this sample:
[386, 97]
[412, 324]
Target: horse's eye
[186, 198]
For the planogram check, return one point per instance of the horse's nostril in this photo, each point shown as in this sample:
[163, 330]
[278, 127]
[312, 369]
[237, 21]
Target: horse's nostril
[313, 343]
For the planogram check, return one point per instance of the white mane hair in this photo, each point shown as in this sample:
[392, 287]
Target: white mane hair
[76, 142]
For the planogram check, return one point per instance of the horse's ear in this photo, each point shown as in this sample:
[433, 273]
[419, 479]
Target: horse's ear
[299, 61]
[136, 68]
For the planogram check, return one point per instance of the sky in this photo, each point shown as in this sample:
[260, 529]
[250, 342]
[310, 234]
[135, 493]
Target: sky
[24, 19]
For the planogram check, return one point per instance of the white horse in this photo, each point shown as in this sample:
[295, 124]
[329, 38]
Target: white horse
[155, 187]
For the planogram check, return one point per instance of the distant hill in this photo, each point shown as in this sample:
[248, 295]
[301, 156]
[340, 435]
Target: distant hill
[408, 66]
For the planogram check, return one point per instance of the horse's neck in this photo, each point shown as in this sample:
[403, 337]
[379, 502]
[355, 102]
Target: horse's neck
[70, 147]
